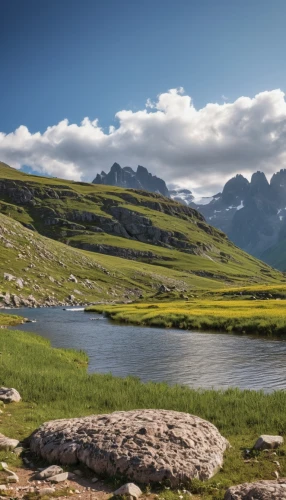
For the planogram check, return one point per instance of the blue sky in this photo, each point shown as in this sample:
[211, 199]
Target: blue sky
[71, 59]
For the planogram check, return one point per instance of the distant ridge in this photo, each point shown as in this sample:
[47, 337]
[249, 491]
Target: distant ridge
[126, 177]
[252, 214]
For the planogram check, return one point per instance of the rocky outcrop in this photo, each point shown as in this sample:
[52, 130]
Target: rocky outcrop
[142, 445]
[126, 177]
[260, 490]
[125, 253]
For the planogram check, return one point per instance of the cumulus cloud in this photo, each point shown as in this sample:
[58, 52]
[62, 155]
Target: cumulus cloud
[191, 147]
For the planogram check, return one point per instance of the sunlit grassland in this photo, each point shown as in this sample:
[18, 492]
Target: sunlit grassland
[260, 317]
[9, 319]
[54, 383]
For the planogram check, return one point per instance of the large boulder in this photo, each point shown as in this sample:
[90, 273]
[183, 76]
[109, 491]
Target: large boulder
[142, 445]
[260, 490]
[9, 395]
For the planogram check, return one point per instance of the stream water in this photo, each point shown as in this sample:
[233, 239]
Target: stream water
[196, 359]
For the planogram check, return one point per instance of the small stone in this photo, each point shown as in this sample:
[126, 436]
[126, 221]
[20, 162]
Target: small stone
[59, 478]
[7, 444]
[18, 450]
[13, 479]
[130, 490]
[78, 472]
[46, 491]
[94, 480]
[9, 395]
[51, 471]
[268, 442]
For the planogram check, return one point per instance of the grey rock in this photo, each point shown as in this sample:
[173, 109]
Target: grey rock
[260, 490]
[266, 442]
[59, 478]
[51, 471]
[143, 445]
[130, 490]
[13, 478]
[7, 444]
[18, 450]
[72, 278]
[9, 395]
[46, 491]
[9, 277]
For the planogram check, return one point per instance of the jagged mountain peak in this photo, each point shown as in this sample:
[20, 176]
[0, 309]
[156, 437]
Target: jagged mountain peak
[126, 177]
[235, 190]
[259, 185]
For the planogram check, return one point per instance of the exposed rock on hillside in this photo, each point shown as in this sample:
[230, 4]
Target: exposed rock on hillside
[126, 177]
[143, 445]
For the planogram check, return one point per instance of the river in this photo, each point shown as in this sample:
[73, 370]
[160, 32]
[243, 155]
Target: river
[196, 359]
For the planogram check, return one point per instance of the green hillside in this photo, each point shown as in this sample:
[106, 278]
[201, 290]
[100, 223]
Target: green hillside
[117, 243]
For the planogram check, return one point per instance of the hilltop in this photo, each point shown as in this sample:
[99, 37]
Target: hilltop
[126, 243]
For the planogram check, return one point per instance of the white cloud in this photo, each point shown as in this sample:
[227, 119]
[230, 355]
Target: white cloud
[191, 147]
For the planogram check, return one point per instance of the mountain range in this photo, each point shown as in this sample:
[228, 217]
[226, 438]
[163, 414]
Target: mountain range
[252, 214]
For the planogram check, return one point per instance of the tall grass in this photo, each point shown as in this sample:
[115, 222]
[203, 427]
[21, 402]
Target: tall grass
[57, 383]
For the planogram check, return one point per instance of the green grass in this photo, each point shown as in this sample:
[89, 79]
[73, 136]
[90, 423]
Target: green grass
[9, 319]
[54, 384]
[258, 317]
[216, 261]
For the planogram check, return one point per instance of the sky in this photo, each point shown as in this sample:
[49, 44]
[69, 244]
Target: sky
[192, 89]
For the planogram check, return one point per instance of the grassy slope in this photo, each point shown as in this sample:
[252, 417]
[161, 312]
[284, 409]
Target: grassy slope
[28, 255]
[54, 384]
[218, 258]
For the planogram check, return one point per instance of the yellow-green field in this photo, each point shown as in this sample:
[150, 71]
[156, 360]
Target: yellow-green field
[261, 317]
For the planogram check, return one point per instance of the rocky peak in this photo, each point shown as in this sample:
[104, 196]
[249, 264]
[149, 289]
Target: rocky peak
[259, 185]
[235, 190]
[128, 178]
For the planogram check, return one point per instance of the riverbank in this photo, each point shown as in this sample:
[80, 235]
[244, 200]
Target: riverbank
[241, 315]
[54, 383]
